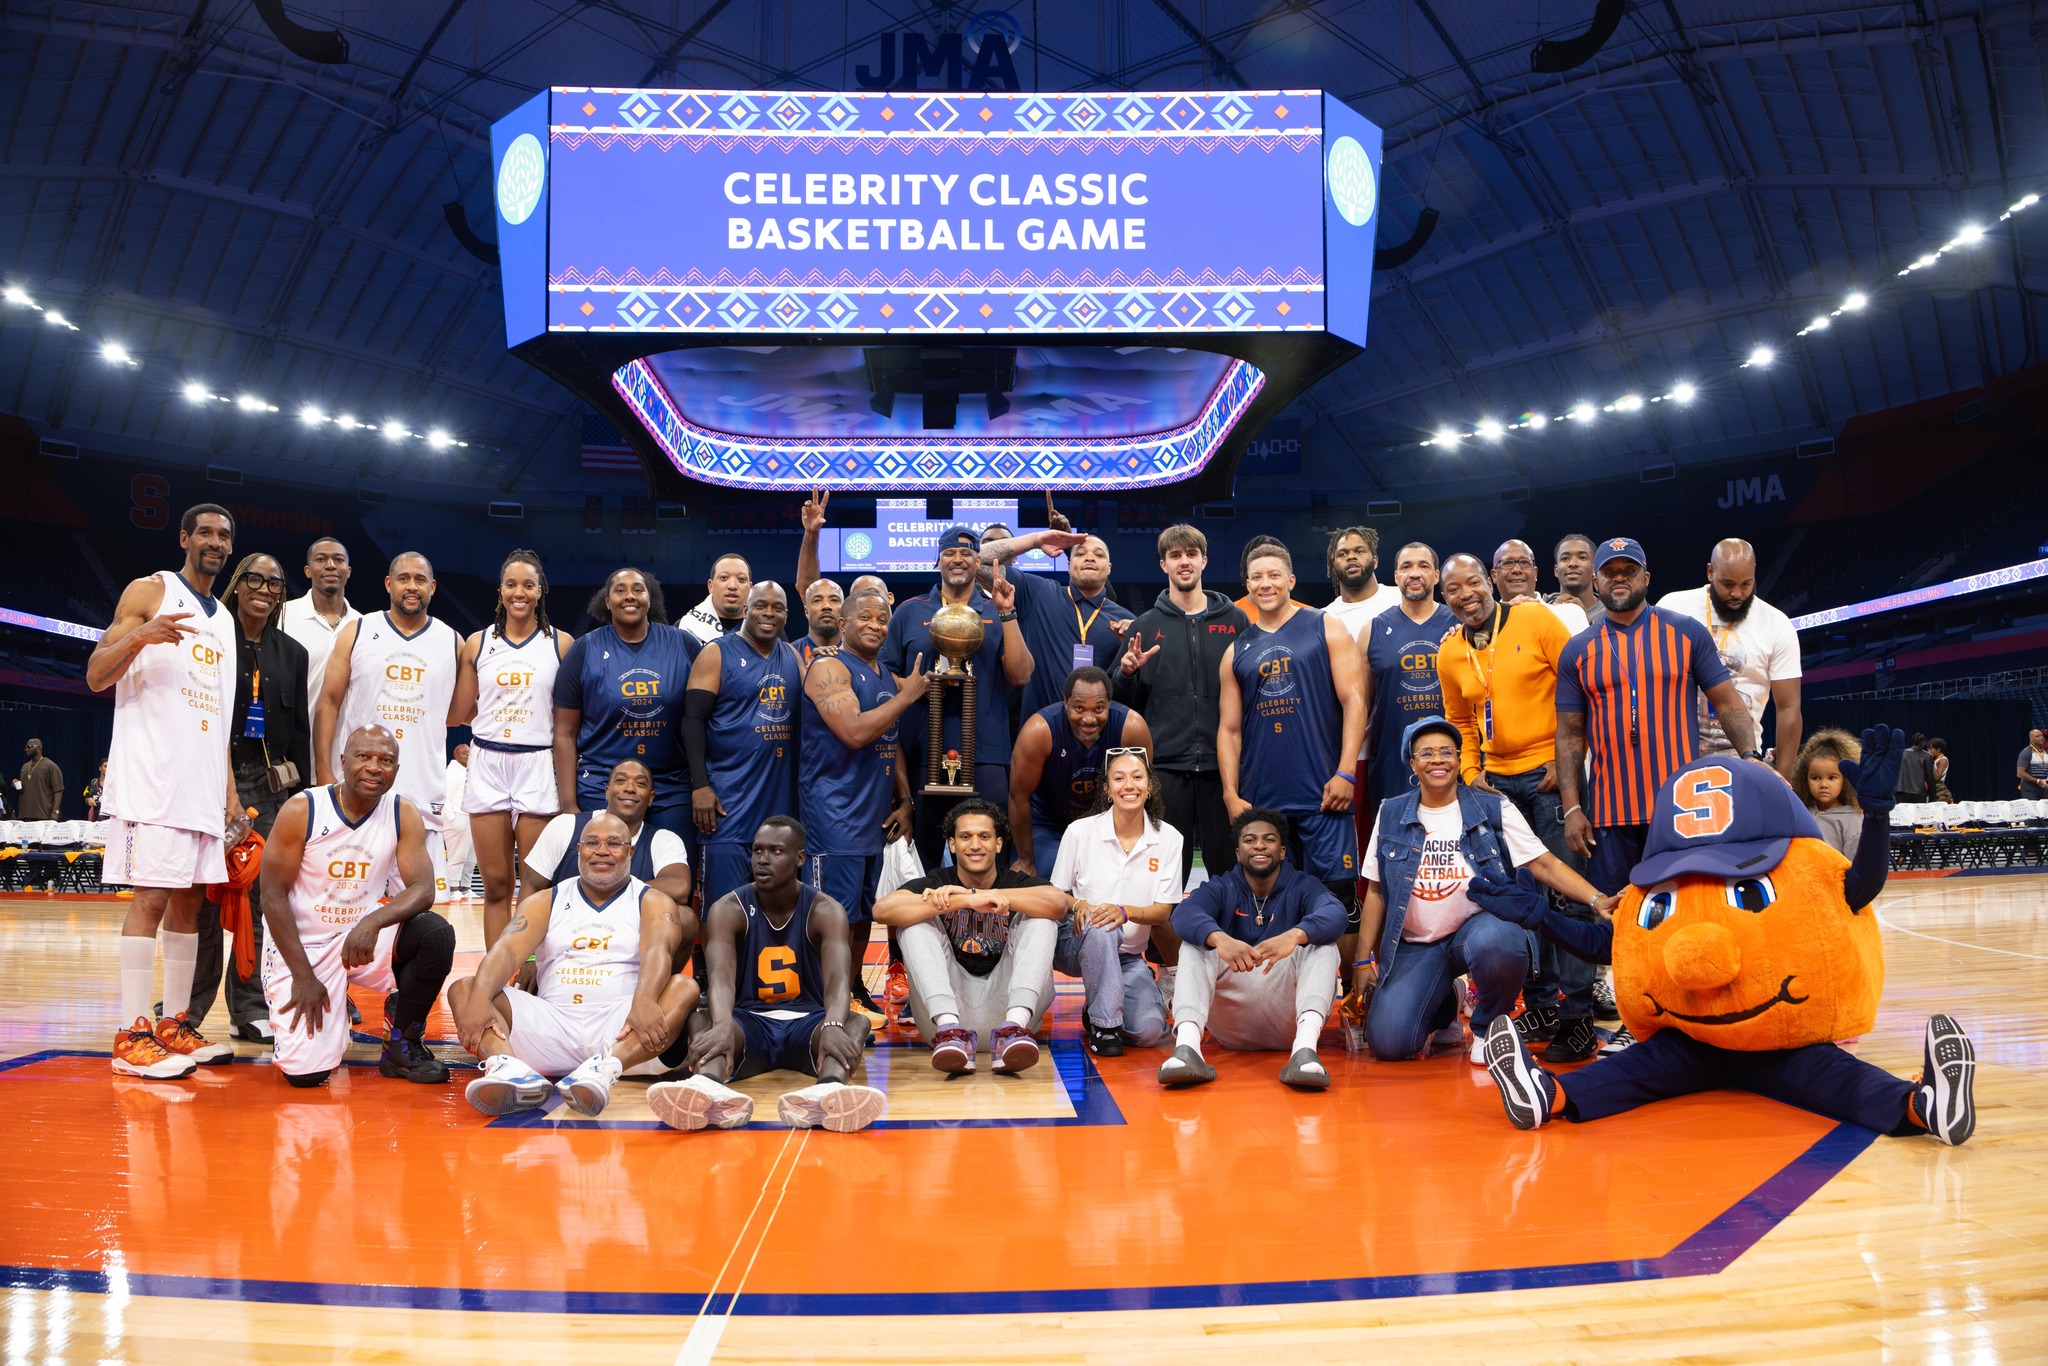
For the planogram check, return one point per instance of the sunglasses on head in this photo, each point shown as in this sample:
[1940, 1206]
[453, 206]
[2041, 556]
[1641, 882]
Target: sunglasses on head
[1124, 749]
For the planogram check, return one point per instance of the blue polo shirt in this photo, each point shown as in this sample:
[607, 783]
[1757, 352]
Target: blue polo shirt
[1051, 617]
[910, 635]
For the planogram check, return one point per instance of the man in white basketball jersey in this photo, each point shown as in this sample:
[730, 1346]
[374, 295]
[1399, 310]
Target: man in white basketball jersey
[317, 619]
[608, 997]
[327, 863]
[396, 669]
[170, 791]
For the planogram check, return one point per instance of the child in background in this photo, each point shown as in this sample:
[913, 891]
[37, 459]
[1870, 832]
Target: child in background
[1818, 780]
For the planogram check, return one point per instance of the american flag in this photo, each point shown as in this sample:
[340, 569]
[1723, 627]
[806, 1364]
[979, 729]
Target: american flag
[605, 449]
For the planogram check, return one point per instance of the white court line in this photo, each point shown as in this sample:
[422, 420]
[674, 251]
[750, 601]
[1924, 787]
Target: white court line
[702, 1343]
[1891, 924]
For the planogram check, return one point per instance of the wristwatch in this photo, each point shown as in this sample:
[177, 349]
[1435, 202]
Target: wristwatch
[1756, 754]
[1006, 616]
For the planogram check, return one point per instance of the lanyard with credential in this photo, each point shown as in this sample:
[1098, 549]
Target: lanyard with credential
[1719, 633]
[1485, 675]
[1088, 625]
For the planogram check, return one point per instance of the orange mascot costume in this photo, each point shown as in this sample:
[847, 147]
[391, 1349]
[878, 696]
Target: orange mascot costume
[1744, 948]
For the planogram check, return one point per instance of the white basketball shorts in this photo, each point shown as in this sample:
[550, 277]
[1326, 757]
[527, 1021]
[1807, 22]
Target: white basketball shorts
[141, 855]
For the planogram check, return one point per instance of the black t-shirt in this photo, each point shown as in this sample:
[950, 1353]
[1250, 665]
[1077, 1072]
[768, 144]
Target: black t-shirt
[247, 749]
[979, 937]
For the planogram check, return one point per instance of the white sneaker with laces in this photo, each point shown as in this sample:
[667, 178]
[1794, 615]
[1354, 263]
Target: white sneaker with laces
[1616, 1042]
[589, 1088]
[698, 1103]
[505, 1085]
[837, 1106]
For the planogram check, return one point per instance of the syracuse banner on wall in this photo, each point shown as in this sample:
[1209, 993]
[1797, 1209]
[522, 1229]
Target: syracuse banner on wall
[632, 222]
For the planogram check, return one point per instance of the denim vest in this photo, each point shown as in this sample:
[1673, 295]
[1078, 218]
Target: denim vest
[1400, 854]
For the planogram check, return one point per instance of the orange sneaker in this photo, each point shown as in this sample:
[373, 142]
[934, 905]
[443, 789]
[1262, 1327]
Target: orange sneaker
[138, 1054]
[896, 991]
[176, 1034]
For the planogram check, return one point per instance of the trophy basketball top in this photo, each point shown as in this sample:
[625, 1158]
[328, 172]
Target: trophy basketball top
[956, 631]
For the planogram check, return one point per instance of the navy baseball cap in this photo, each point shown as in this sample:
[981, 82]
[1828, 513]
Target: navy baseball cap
[1619, 548]
[1427, 725]
[957, 536]
[1723, 816]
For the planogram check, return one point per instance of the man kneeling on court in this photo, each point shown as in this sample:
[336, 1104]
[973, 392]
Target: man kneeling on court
[608, 997]
[1258, 960]
[328, 862]
[978, 941]
[779, 960]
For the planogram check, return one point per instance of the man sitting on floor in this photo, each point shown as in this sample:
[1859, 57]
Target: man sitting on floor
[1258, 960]
[978, 941]
[779, 959]
[608, 998]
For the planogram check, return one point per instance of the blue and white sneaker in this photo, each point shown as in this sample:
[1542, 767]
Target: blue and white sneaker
[1526, 1090]
[589, 1088]
[1948, 1078]
[505, 1085]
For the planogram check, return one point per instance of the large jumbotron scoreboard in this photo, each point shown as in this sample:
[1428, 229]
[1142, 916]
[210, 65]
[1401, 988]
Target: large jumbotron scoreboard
[905, 290]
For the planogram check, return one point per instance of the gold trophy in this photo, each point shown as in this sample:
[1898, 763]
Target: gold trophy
[956, 632]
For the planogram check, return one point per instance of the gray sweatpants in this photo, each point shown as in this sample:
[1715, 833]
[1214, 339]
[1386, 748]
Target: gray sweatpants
[940, 986]
[1122, 993]
[1256, 1010]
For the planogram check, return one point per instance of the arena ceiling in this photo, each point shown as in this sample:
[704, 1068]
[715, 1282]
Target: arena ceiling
[1718, 174]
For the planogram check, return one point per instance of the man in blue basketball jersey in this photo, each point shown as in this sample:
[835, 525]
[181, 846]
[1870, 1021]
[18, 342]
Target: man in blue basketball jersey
[779, 966]
[824, 621]
[739, 735]
[619, 695]
[1292, 720]
[1058, 763]
[854, 791]
[1397, 649]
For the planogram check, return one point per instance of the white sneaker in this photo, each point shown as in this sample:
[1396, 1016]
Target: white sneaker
[698, 1102]
[1478, 1054]
[1617, 1041]
[505, 1085]
[589, 1088]
[832, 1105]
[256, 1031]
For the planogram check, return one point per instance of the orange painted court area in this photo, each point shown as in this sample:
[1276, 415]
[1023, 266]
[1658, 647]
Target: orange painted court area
[1399, 1170]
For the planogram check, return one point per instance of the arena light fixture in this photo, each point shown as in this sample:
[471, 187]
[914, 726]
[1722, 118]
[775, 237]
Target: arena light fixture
[56, 319]
[1490, 429]
[1683, 393]
[1969, 235]
[18, 296]
[113, 353]
[395, 431]
[1855, 303]
[194, 391]
[1760, 358]
[439, 440]
[1446, 436]
[1535, 422]
[249, 403]
[1628, 403]
[311, 416]
[1583, 412]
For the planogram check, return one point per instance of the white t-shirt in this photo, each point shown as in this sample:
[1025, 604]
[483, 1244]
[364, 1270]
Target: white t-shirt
[1571, 614]
[1356, 616]
[547, 851]
[1094, 866]
[1763, 646]
[311, 630]
[1439, 903]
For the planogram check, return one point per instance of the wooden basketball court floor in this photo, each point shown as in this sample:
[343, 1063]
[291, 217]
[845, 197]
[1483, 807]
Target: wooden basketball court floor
[1075, 1214]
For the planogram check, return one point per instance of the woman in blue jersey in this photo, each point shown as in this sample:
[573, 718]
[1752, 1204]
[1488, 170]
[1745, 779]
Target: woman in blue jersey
[619, 695]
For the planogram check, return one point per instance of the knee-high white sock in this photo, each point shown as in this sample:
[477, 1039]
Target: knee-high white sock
[1307, 1029]
[181, 959]
[1018, 1015]
[1188, 1034]
[138, 968]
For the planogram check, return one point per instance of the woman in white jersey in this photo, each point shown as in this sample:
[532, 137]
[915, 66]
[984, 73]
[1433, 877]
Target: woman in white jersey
[505, 679]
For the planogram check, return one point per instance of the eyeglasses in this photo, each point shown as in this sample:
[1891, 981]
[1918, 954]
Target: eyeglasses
[611, 845]
[273, 583]
[1434, 752]
[1514, 560]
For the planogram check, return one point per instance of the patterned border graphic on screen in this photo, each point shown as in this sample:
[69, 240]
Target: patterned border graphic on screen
[521, 175]
[1351, 184]
[887, 463]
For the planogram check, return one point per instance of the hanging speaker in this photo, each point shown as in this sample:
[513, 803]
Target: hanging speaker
[458, 223]
[1393, 258]
[329, 47]
[1552, 55]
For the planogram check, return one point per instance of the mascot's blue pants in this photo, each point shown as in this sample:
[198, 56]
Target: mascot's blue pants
[1819, 1077]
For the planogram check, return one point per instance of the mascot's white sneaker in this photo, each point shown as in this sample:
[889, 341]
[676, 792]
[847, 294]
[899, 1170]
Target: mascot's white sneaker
[1947, 1097]
[832, 1105]
[699, 1103]
[1526, 1091]
[506, 1085]
[589, 1088]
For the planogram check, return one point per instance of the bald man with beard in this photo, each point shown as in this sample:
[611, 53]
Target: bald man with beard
[1758, 643]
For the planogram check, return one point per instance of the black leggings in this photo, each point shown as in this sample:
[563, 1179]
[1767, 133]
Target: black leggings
[420, 960]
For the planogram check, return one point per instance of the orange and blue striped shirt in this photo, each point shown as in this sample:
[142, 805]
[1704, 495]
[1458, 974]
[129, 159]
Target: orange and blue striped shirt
[1638, 686]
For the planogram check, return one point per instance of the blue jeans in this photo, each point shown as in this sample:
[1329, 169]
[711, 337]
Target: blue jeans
[1415, 986]
[1121, 991]
[1556, 972]
[1045, 849]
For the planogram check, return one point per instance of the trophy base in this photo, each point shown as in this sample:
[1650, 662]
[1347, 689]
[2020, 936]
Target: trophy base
[949, 790]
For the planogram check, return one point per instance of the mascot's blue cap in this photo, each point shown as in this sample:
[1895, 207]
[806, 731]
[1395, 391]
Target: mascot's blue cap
[1724, 816]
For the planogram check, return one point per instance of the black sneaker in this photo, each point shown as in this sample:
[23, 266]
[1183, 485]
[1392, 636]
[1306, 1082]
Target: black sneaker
[1526, 1091]
[1104, 1041]
[1947, 1099]
[407, 1058]
[1536, 1024]
[1575, 1041]
[1603, 999]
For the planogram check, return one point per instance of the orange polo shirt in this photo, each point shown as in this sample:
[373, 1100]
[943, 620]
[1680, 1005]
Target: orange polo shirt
[1517, 673]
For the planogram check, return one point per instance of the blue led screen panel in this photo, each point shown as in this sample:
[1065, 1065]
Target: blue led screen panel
[921, 212]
